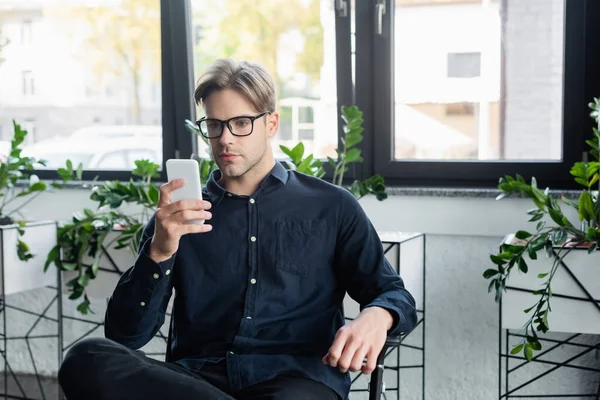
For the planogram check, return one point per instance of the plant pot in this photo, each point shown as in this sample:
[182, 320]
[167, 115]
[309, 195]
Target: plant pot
[16, 275]
[575, 303]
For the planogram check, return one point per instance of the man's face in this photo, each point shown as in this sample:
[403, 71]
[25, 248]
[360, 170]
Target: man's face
[236, 155]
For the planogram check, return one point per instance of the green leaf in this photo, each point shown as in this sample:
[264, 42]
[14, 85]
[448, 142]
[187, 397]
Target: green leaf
[69, 266]
[569, 202]
[491, 285]
[542, 276]
[53, 255]
[23, 251]
[556, 216]
[517, 349]
[536, 217]
[153, 194]
[559, 237]
[528, 310]
[297, 153]
[490, 272]
[523, 235]
[499, 260]
[522, 265]
[540, 225]
[592, 248]
[353, 155]
[83, 280]
[84, 307]
[286, 151]
[532, 253]
[304, 166]
[586, 206]
[528, 351]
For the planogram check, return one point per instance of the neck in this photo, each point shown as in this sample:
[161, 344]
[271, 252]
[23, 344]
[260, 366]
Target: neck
[247, 184]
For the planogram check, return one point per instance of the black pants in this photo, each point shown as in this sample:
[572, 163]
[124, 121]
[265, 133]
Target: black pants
[101, 369]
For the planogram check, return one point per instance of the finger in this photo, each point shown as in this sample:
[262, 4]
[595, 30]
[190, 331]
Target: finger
[190, 215]
[348, 355]
[371, 364]
[164, 197]
[186, 204]
[196, 228]
[358, 359]
[335, 352]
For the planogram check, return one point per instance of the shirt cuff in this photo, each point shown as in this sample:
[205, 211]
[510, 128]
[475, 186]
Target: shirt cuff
[147, 268]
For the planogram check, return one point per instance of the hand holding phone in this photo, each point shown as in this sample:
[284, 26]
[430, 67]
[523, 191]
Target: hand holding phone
[181, 209]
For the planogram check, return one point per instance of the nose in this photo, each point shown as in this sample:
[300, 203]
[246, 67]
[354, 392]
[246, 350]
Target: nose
[226, 137]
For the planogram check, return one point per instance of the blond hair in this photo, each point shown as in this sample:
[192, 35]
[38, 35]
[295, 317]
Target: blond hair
[251, 80]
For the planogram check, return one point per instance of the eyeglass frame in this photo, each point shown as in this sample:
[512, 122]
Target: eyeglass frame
[226, 123]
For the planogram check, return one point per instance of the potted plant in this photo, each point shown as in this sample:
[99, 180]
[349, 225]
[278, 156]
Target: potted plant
[83, 241]
[18, 187]
[557, 240]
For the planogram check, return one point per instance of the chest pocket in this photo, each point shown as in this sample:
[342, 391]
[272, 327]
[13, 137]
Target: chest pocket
[301, 246]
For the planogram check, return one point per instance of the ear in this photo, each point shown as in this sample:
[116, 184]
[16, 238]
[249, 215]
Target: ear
[272, 124]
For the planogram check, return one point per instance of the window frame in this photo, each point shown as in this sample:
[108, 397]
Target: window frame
[375, 89]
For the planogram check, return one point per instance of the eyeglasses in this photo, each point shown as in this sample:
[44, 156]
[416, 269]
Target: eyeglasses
[212, 128]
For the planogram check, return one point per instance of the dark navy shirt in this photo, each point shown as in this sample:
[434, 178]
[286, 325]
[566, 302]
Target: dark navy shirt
[264, 289]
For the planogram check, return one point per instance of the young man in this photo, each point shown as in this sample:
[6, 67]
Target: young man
[258, 288]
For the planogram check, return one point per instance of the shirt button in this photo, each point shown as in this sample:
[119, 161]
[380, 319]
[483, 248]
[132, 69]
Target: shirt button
[168, 272]
[248, 317]
[253, 281]
[229, 195]
[231, 352]
[155, 276]
[252, 201]
[253, 239]
[142, 303]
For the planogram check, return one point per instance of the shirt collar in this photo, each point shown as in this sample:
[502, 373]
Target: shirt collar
[216, 192]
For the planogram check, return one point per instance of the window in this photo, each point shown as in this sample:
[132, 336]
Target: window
[453, 92]
[139, 154]
[457, 109]
[30, 127]
[197, 34]
[480, 89]
[84, 67]
[26, 32]
[28, 84]
[464, 65]
[296, 42]
[113, 160]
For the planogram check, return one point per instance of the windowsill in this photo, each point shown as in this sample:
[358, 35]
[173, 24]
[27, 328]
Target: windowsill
[468, 193]
[392, 191]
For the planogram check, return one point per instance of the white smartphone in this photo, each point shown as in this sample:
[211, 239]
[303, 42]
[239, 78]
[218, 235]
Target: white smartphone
[189, 171]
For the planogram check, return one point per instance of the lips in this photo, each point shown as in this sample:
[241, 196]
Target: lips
[228, 156]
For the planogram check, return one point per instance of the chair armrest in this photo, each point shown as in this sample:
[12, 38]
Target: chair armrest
[376, 382]
[393, 341]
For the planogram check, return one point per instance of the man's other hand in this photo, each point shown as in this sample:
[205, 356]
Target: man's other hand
[361, 338]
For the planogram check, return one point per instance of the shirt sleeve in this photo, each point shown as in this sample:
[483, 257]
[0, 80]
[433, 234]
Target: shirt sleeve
[366, 273]
[136, 310]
